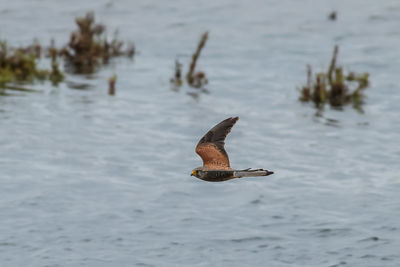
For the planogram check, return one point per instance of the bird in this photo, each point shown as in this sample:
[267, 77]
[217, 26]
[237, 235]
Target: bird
[216, 167]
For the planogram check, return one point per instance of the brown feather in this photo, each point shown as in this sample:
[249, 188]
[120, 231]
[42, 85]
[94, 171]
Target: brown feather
[211, 146]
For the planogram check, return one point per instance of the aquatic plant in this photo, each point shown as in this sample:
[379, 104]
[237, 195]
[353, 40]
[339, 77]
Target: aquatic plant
[197, 79]
[111, 84]
[334, 87]
[177, 79]
[88, 47]
[56, 75]
[19, 65]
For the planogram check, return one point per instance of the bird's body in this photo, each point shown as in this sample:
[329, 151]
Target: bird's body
[216, 167]
[224, 175]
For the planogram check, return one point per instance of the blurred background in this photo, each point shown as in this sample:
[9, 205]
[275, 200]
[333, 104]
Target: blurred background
[90, 179]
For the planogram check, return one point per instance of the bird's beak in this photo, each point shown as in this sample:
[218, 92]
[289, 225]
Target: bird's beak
[193, 173]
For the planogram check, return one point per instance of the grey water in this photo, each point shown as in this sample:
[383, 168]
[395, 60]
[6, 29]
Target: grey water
[87, 179]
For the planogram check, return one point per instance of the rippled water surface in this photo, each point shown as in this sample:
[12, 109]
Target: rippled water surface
[92, 180]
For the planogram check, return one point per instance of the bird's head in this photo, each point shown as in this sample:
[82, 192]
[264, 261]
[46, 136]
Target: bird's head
[196, 172]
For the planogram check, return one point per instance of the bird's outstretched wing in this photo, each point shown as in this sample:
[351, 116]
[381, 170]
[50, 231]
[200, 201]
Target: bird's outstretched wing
[211, 146]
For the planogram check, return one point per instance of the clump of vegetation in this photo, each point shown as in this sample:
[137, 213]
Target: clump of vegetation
[56, 75]
[177, 79]
[111, 84]
[19, 66]
[335, 87]
[86, 50]
[88, 47]
[196, 79]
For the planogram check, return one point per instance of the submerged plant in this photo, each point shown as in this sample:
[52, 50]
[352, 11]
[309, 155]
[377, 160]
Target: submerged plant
[88, 48]
[111, 84]
[196, 79]
[177, 79]
[18, 65]
[335, 87]
[56, 75]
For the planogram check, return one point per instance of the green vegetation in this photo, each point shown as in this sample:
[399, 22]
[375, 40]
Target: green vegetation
[18, 66]
[334, 87]
[87, 49]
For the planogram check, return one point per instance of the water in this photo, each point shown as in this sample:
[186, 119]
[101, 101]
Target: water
[92, 180]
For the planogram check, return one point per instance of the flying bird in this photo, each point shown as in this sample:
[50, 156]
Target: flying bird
[216, 167]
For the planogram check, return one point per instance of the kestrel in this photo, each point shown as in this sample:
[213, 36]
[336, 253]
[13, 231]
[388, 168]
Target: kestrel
[216, 166]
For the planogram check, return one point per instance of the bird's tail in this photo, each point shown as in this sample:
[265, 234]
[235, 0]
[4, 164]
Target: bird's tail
[251, 173]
